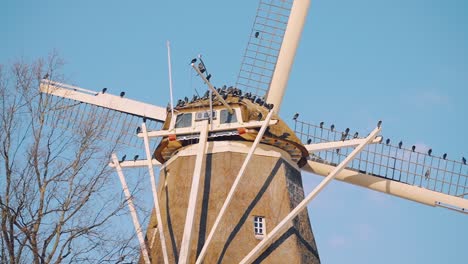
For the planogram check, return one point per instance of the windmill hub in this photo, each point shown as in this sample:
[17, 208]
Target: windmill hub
[228, 127]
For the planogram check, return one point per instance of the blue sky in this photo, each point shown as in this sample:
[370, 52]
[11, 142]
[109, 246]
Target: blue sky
[403, 62]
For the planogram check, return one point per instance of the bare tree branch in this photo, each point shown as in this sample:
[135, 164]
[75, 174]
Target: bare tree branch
[55, 203]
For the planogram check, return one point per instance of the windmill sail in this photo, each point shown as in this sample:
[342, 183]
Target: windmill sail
[73, 106]
[443, 180]
[261, 54]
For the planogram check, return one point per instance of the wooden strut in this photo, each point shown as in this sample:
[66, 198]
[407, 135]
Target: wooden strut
[131, 207]
[189, 220]
[234, 187]
[279, 229]
[155, 193]
[213, 89]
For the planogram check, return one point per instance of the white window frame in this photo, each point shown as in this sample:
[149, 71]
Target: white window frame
[259, 225]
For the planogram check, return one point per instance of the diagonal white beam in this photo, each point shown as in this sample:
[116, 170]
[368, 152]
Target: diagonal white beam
[155, 194]
[339, 144]
[230, 195]
[279, 229]
[287, 53]
[131, 207]
[212, 88]
[389, 186]
[105, 100]
[191, 208]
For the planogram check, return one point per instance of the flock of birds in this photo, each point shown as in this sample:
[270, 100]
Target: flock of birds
[345, 134]
[224, 92]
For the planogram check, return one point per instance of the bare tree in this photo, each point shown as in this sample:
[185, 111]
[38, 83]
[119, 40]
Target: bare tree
[57, 203]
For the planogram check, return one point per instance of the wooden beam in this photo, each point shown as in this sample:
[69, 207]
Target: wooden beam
[234, 187]
[279, 229]
[184, 256]
[155, 194]
[131, 207]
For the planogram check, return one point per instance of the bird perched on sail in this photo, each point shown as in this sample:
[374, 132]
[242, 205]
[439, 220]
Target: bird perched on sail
[427, 174]
[296, 115]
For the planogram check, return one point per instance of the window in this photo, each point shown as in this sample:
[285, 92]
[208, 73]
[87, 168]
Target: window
[183, 120]
[259, 226]
[204, 115]
[226, 117]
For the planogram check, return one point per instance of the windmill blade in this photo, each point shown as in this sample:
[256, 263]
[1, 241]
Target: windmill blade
[105, 100]
[73, 106]
[261, 53]
[410, 173]
[271, 49]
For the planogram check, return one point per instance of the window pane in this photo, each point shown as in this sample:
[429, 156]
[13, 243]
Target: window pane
[226, 117]
[184, 120]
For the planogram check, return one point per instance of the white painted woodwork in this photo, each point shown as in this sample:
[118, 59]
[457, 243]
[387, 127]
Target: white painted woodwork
[105, 100]
[135, 164]
[196, 129]
[185, 247]
[131, 207]
[287, 53]
[234, 186]
[155, 192]
[339, 144]
[402, 190]
[220, 98]
[277, 231]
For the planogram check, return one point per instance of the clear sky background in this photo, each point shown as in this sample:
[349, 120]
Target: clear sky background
[403, 62]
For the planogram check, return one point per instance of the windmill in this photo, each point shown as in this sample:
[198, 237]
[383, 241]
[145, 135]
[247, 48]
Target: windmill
[415, 175]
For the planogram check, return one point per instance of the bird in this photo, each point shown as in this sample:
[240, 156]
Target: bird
[413, 148]
[379, 123]
[388, 141]
[356, 135]
[201, 67]
[309, 141]
[296, 115]
[138, 130]
[193, 61]
[343, 136]
[464, 160]
[332, 127]
[123, 158]
[256, 34]
[46, 76]
[135, 158]
[122, 94]
[427, 174]
[400, 144]
[321, 124]
[179, 103]
[208, 77]
[444, 156]
[104, 90]
[429, 152]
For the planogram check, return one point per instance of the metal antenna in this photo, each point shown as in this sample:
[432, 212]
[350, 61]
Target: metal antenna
[170, 75]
